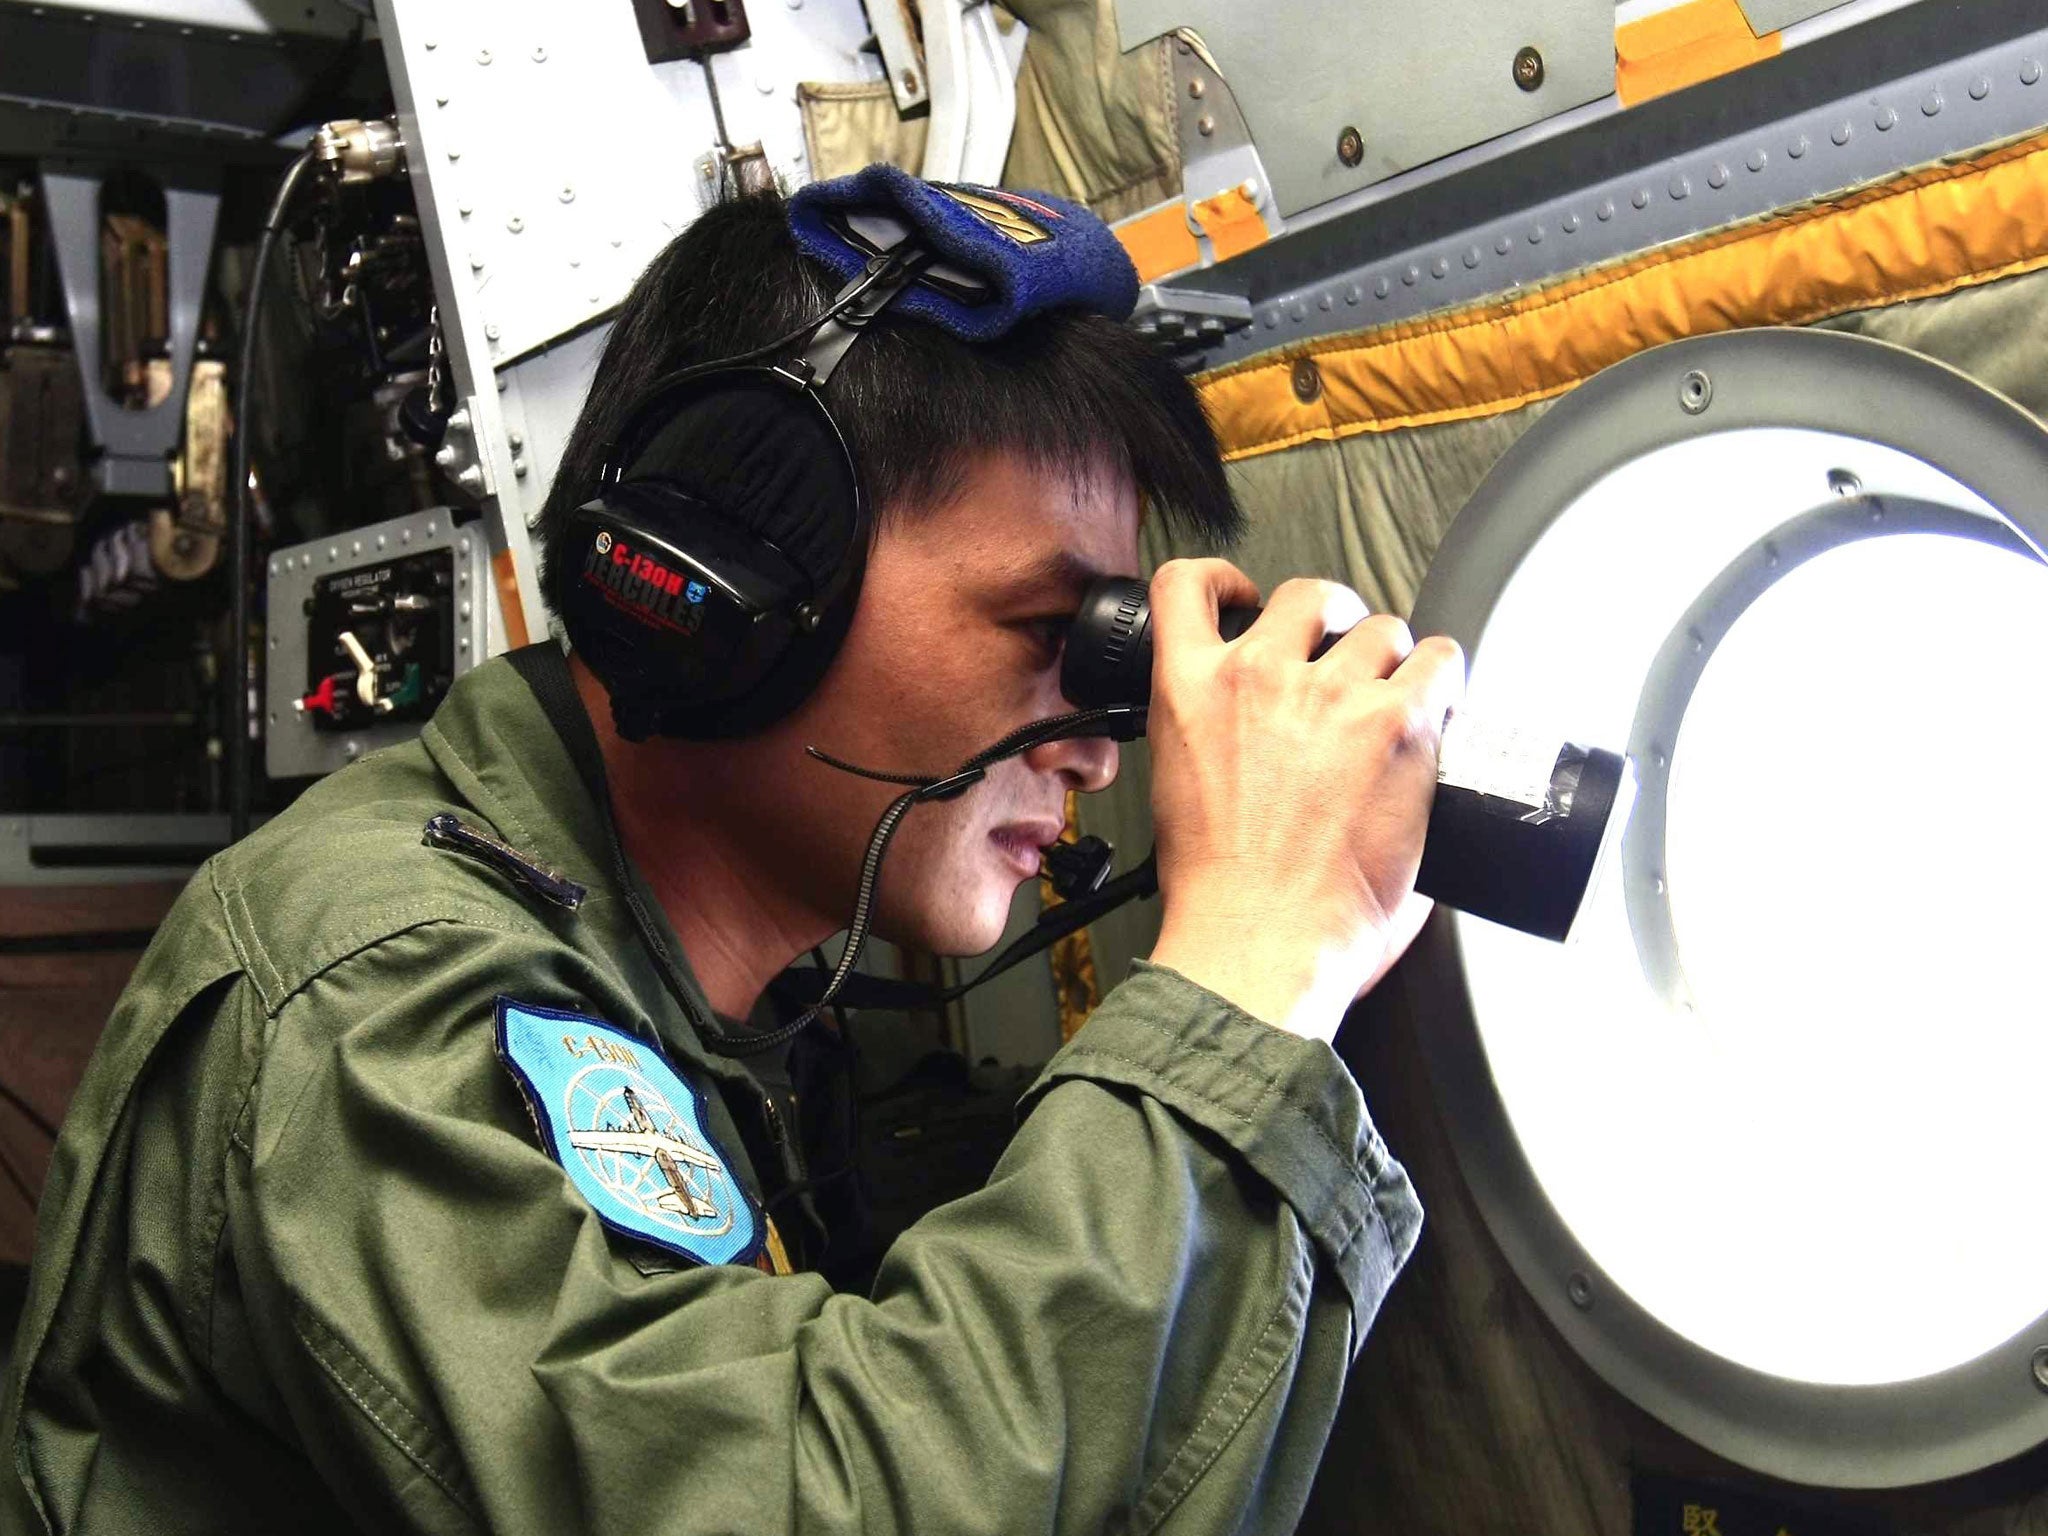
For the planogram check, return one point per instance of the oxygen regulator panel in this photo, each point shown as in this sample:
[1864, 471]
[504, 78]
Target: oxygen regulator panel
[367, 631]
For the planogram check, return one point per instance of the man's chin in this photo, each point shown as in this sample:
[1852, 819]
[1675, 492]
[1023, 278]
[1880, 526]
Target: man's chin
[953, 935]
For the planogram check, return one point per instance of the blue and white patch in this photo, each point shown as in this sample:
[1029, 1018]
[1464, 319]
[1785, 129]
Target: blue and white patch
[629, 1132]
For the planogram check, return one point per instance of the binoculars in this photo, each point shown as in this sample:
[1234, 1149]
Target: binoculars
[1518, 831]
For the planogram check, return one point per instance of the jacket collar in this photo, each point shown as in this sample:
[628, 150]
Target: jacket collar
[507, 759]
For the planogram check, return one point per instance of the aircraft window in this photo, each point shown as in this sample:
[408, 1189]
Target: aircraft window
[1772, 1119]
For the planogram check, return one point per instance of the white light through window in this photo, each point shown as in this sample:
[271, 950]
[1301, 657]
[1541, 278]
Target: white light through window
[1832, 1169]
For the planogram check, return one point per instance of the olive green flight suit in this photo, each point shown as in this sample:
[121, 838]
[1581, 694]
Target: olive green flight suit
[304, 1265]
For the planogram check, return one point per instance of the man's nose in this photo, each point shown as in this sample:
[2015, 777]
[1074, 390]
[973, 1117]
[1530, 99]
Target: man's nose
[1086, 763]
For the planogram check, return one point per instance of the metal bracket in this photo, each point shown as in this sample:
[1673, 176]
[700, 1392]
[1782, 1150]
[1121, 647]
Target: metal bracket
[458, 456]
[1188, 317]
[1343, 93]
[1217, 155]
[135, 446]
[902, 56]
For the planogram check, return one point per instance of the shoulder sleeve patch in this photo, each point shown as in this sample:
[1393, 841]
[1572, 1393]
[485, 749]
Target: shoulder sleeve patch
[629, 1132]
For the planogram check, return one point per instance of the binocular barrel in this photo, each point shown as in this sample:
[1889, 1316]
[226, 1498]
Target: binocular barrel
[1514, 837]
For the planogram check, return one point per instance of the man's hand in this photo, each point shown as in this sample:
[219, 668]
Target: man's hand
[1290, 798]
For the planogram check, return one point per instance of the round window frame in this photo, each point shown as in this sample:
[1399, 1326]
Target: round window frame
[1956, 1421]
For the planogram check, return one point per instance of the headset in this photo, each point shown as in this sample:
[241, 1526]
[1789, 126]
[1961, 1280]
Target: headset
[698, 627]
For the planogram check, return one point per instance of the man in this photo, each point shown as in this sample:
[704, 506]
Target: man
[326, 1245]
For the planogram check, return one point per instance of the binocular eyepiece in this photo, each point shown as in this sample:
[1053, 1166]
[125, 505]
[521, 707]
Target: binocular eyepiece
[1517, 834]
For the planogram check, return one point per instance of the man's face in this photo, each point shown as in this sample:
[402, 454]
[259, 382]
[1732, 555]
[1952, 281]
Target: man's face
[957, 641]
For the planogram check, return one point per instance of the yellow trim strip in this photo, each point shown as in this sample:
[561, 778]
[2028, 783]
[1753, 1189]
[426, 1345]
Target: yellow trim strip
[1159, 241]
[1232, 222]
[1922, 233]
[1684, 45]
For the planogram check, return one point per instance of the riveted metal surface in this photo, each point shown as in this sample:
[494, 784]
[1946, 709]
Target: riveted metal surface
[1921, 116]
[1417, 81]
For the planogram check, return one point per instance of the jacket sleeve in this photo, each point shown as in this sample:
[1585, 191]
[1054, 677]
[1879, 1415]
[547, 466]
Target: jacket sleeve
[1142, 1322]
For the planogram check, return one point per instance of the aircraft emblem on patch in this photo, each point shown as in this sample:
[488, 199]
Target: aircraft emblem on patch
[629, 1132]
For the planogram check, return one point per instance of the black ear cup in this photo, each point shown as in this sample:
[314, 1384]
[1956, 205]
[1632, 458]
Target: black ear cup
[715, 577]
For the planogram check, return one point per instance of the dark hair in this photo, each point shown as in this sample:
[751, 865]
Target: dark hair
[1065, 389]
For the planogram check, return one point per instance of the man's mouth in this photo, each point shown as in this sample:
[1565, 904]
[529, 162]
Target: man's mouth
[1019, 843]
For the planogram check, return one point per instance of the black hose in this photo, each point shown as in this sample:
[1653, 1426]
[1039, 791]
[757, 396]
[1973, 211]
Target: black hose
[240, 713]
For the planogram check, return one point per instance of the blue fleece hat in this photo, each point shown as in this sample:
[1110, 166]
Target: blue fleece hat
[1025, 252]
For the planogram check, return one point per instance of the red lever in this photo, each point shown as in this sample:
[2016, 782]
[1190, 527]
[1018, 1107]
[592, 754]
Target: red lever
[321, 698]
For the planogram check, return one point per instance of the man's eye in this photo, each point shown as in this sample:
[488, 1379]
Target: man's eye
[1048, 634]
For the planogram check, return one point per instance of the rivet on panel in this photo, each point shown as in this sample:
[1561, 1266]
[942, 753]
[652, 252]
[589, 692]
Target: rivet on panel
[1798, 147]
[2030, 72]
[1353, 293]
[1381, 287]
[1205, 125]
[1886, 119]
[1441, 267]
[1758, 159]
[1503, 245]
[1680, 189]
[568, 194]
[1326, 302]
[1843, 133]
[1641, 197]
[1979, 88]
[483, 56]
[1472, 256]
[1196, 89]
[1350, 146]
[515, 224]
[1605, 211]
[1297, 311]
[1932, 105]
[1717, 178]
[540, 55]
[1411, 274]
[1570, 224]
